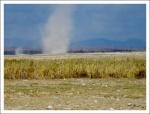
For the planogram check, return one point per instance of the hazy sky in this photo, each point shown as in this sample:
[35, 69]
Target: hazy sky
[117, 22]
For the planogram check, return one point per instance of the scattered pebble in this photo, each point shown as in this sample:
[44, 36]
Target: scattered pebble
[83, 84]
[25, 80]
[125, 96]
[49, 107]
[95, 101]
[117, 99]
[118, 90]
[20, 94]
[111, 109]
[104, 85]
[129, 104]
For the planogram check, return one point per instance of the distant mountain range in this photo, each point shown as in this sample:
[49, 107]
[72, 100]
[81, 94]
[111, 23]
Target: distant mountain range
[102, 42]
[83, 46]
[129, 43]
[88, 49]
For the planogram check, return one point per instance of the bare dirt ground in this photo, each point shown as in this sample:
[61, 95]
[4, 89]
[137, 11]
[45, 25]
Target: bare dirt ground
[119, 55]
[75, 94]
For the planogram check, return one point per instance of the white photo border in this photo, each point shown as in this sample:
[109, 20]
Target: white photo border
[75, 2]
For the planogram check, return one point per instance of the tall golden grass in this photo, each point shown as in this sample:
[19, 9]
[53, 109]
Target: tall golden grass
[74, 68]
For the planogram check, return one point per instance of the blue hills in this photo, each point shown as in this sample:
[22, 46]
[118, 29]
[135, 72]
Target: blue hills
[100, 42]
[82, 46]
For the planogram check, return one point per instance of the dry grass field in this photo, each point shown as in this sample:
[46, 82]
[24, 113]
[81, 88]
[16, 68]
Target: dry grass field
[97, 81]
[99, 65]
